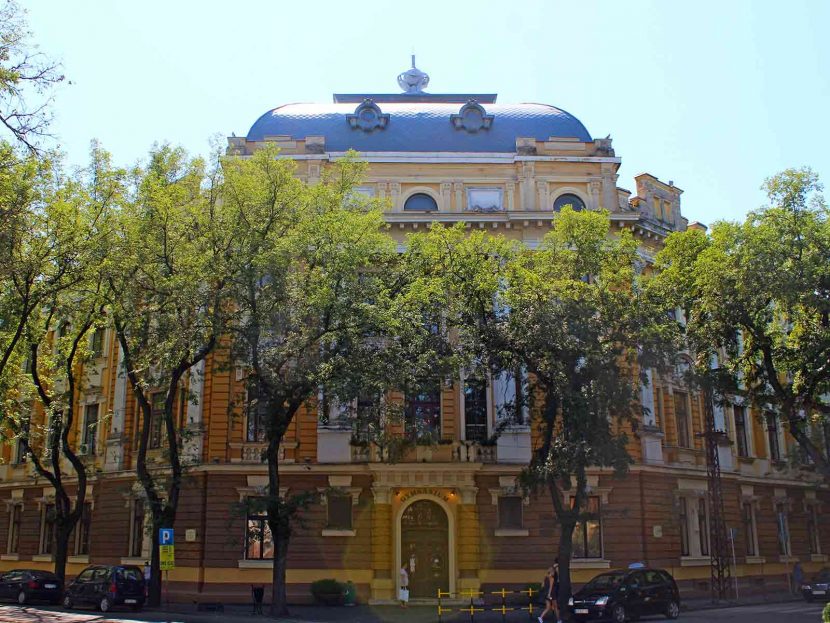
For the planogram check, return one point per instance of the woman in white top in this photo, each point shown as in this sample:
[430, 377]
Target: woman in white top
[404, 592]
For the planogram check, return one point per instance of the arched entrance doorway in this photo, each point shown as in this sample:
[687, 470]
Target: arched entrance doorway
[425, 548]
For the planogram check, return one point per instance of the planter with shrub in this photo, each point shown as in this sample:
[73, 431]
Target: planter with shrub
[328, 592]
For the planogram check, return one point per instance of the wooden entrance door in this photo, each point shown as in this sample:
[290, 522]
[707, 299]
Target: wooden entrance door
[425, 548]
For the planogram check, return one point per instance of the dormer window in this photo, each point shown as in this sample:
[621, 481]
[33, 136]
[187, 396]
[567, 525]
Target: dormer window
[576, 204]
[420, 202]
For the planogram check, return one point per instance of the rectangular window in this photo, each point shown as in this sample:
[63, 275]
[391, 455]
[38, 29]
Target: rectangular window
[684, 526]
[667, 213]
[156, 418]
[658, 208]
[15, 519]
[748, 517]
[741, 437]
[681, 416]
[423, 412]
[812, 530]
[475, 409]
[82, 531]
[510, 391]
[703, 527]
[339, 511]
[658, 408]
[90, 430]
[96, 343]
[510, 512]
[47, 530]
[256, 414]
[783, 529]
[484, 199]
[259, 544]
[772, 436]
[137, 529]
[587, 540]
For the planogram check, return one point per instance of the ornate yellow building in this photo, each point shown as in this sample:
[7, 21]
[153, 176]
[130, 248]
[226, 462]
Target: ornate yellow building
[449, 512]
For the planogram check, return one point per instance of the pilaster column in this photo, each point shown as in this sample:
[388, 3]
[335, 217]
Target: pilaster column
[395, 194]
[511, 200]
[459, 201]
[446, 197]
[468, 546]
[383, 582]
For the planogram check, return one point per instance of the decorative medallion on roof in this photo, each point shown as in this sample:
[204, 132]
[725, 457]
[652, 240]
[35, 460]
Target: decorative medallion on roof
[413, 80]
[367, 117]
[472, 117]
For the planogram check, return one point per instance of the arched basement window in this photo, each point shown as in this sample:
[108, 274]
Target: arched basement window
[572, 200]
[421, 202]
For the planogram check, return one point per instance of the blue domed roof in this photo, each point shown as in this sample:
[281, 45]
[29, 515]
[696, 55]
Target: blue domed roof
[419, 126]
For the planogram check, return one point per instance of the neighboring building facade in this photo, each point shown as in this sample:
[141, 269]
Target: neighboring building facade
[451, 511]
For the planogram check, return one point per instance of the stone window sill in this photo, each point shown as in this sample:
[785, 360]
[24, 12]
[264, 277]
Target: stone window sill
[10, 557]
[335, 532]
[81, 559]
[755, 560]
[133, 560]
[256, 564]
[818, 557]
[43, 558]
[590, 563]
[695, 561]
[512, 532]
[788, 559]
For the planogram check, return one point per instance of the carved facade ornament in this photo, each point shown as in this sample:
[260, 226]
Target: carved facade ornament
[472, 117]
[368, 117]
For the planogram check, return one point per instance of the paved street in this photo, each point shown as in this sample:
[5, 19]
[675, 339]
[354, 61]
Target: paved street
[793, 612]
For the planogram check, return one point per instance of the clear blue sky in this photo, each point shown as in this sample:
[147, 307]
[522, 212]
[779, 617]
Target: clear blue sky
[713, 95]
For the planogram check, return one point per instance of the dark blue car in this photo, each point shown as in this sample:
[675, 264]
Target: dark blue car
[627, 594]
[106, 586]
[28, 585]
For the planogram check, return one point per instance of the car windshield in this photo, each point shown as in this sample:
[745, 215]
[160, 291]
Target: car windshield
[606, 581]
[130, 573]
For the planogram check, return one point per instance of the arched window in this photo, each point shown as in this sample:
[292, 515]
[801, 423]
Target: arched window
[568, 200]
[421, 202]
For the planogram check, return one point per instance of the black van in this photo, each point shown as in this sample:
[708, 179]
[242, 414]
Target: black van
[105, 586]
[627, 594]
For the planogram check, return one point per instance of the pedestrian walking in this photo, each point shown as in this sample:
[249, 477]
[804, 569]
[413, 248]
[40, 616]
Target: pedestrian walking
[550, 592]
[403, 592]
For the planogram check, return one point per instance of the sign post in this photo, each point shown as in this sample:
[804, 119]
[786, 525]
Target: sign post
[167, 557]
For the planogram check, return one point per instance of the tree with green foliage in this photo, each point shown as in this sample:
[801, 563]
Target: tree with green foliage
[24, 73]
[571, 324]
[52, 298]
[757, 300]
[322, 308]
[168, 272]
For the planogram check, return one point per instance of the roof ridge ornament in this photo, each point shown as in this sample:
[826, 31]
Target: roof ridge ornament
[413, 80]
[367, 117]
[472, 117]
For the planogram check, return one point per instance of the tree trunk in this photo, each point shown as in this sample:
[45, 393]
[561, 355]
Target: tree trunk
[566, 538]
[63, 532]
[154, 588]
[279, 599]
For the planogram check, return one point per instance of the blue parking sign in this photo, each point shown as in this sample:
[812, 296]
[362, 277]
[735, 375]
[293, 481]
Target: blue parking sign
[165, 536]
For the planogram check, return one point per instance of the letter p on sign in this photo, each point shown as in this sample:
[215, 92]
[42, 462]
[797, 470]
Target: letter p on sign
[166, 536]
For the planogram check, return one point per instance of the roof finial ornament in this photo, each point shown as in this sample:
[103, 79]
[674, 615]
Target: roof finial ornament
[413, 80]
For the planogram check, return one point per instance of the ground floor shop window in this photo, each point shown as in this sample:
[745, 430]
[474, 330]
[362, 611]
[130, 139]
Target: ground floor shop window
[783, 521]
[15, 519]
[339, 511]
[510, 512]
[47, 529]
[750, 532]
[82, 531]
[259, 543]
[587, 539]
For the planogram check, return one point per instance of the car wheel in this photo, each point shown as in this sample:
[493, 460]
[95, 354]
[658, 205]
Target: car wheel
[67, 602]
[618, 614]
[673, 610]
[21, 598]
[104, 605]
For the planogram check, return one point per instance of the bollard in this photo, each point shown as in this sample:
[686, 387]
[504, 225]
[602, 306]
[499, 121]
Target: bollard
[472, 609]
[530, 592]
[504, 609]
[441, 609]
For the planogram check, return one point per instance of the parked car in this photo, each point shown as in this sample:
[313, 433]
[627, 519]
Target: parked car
[626, 595]
[28, 585]
[818, 587]
[106, 586]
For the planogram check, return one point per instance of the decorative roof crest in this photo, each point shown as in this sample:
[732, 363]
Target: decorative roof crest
[472, 117]
[367, 117]
[413, 80]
